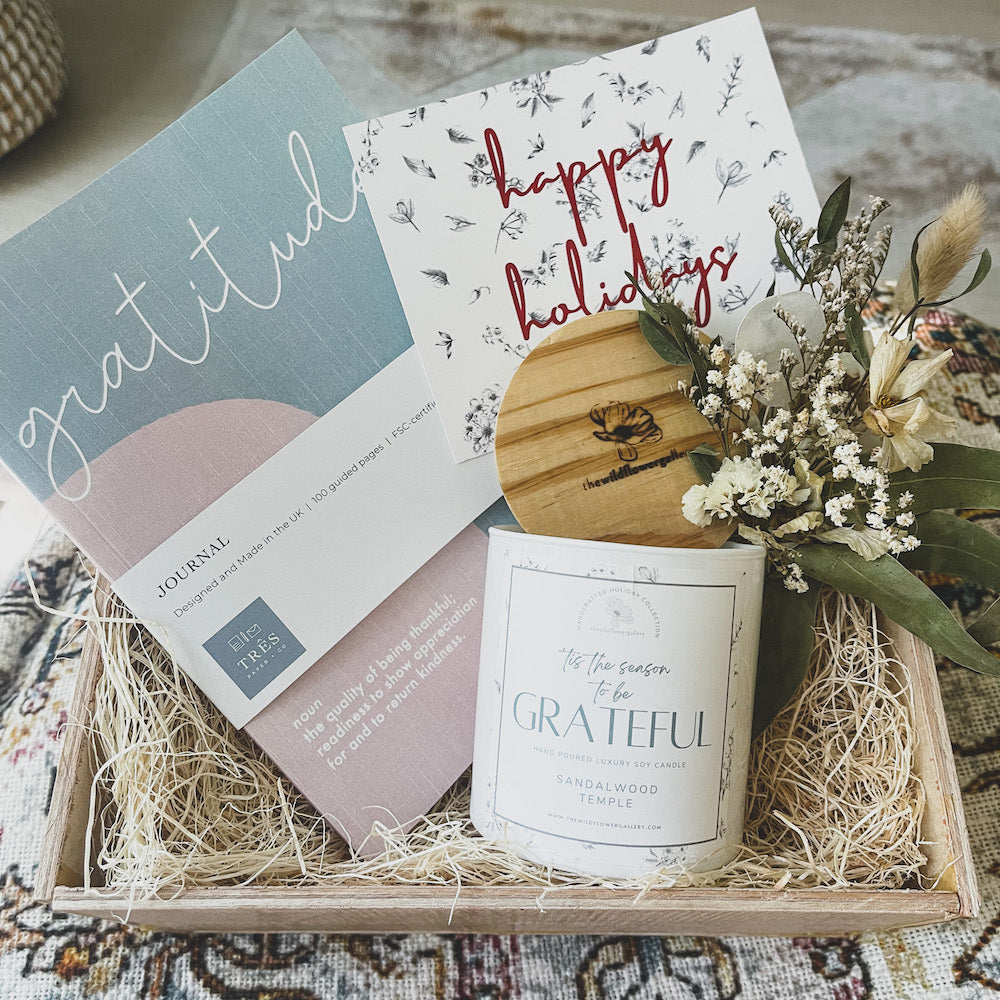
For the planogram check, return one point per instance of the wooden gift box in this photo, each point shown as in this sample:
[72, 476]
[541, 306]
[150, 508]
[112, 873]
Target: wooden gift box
[364, 908]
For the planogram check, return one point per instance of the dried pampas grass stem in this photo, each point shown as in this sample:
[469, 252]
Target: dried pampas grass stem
[182, 799]
[946, 246]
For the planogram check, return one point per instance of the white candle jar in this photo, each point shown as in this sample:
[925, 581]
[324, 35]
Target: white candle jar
[615, 702]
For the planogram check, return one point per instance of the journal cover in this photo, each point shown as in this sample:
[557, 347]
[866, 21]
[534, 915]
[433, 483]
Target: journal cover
[206, 377]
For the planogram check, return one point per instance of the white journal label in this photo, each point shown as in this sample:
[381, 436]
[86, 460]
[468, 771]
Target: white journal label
[270, 576]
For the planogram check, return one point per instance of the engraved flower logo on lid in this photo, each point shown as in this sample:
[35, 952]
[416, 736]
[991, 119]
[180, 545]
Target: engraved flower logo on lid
[625, 426]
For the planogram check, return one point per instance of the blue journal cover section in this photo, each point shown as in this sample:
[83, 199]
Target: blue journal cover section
[220, 235]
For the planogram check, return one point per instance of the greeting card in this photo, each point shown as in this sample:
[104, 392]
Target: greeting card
[206, 377]
[506, 212]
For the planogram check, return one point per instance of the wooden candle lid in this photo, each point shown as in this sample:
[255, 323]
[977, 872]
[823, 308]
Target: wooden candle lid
[592, 439]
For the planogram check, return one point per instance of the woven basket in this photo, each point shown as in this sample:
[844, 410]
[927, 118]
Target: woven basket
[32, 69]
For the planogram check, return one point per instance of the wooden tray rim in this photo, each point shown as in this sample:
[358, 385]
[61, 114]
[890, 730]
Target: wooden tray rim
[369, 908]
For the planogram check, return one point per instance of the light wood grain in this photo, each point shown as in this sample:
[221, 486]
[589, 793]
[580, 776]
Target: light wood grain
[598, 376]
[949, 854]
[62, 854]
[368, 909]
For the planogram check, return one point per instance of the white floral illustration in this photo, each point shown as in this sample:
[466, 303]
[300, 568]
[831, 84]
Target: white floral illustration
[731, 83]
[696, 149]
[479, 170]
[730, 174]
[671, 248]
[368, 162]
[642, 165]
[512, 226]
[736, 298]
[459, 222]
[546, 268]
[481, 419]
[533, 92]
[420, 167]
[404, 214]
[495, 335]
[631, 92]
[588, 201]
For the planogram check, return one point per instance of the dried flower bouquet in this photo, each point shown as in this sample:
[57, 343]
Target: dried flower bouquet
[825, 453]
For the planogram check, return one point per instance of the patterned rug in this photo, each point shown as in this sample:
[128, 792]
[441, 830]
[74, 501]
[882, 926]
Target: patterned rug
[447, 48]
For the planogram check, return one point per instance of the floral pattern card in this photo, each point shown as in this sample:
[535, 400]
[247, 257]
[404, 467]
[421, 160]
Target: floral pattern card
[507, 212]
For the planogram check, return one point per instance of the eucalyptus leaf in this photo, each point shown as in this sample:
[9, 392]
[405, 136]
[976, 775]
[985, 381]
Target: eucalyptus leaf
[668, 314]
[706, 462]
[786, 643]
[700, 369]
[892, 587]
[765, 336]
[826, 249]
[661, 340]
[676, 319]
[982, 270]
[958, 476]
[955, 547]
[856, 336]
[647, 302]
[783, 256]
[986, 628]
[821, 254]
[834, 212]
[914, 266]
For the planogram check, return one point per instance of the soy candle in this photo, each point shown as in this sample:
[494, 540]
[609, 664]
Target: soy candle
[615, 702]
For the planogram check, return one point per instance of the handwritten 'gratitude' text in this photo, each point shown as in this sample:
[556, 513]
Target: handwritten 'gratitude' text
[41, 426]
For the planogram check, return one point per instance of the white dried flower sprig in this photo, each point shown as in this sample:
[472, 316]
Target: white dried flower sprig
[743, 486]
